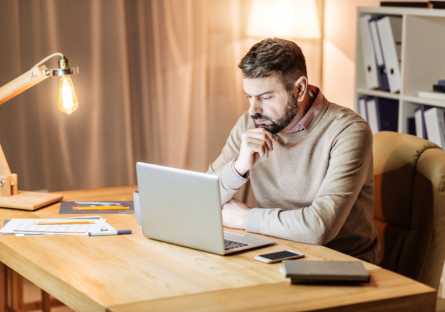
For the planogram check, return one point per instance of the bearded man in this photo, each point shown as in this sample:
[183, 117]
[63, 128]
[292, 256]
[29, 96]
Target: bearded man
[309, 160]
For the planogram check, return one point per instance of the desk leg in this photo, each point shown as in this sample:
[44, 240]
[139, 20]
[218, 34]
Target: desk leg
[16, 292]
[3, 288]
[46, 302]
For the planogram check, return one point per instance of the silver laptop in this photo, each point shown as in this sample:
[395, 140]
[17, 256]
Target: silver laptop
[184, 208]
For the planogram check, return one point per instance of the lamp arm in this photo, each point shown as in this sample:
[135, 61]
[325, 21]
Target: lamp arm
[36, 74]
[22, 83]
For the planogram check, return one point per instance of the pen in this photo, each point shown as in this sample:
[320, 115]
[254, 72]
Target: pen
[101, 208]
[56, 223]
[109, 233]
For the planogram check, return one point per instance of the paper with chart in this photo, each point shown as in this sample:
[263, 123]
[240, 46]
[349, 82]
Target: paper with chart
[105, 228]
[30, 226]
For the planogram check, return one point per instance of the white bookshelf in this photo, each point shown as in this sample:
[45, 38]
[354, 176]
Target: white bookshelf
[423, 58]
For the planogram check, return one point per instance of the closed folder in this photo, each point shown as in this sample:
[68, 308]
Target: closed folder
[420, 121]
[381, 69]
[383, 114]
[435, 127]
[369, 61]
[362, 107]
[389, 30]
[324, 271]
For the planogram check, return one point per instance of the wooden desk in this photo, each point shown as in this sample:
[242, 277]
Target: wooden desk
[134, 273]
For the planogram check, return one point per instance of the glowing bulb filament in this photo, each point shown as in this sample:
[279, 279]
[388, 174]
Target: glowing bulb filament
[67, 97]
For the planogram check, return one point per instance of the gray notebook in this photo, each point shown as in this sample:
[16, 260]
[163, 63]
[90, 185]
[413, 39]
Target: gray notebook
[324, 271]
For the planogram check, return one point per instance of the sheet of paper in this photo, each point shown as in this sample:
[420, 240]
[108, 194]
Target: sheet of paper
[106, 227]
[30, 226]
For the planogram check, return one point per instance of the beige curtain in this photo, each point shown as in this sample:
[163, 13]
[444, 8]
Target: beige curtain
[158, 83]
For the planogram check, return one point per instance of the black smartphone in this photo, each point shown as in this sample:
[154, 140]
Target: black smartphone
[279, 256]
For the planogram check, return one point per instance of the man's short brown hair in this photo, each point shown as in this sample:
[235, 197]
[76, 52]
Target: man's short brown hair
[282, 56]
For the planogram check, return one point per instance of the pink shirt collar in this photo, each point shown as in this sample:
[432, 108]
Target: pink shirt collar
[311, 113]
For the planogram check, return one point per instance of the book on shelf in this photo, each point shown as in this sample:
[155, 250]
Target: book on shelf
[414, 4]
[432, 95]
[404, 4]
[411, 125]
[439, 88]
[435, 125]
[436, 4]
[382, 114]
[441, 83]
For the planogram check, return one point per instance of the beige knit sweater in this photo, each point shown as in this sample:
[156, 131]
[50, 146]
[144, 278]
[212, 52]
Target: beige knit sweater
[316, 187]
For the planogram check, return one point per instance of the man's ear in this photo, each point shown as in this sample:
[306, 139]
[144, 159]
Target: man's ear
[301, 88]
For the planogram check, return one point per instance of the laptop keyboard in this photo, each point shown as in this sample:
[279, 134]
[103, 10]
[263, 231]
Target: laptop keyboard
[233, 244]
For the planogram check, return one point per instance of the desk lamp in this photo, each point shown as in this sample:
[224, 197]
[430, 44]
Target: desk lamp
[10, 197]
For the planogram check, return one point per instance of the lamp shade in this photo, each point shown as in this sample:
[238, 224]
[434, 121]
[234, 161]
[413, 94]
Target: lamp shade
[284, 18]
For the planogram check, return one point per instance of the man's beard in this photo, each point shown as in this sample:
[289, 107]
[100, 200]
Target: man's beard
[289, 114]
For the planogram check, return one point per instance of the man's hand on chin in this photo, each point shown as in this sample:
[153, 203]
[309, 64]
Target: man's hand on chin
[233, 214]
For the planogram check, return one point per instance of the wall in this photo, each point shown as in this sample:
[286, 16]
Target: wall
[339, 49]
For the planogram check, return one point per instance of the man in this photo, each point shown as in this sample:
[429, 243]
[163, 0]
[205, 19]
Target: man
[309, 161]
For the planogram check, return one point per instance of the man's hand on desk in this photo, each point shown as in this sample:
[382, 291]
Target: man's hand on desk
[233, 214]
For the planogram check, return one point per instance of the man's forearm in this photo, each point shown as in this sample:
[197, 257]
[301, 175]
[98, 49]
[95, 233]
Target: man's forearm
[229, 181]
[317, 224]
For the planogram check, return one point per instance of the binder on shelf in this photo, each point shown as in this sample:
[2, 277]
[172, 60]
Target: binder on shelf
[369, 61]
[435, 125]
[381, 69]
[420, 121]
[371, 107]
[389, 29]
[362, 107]
[383, 114]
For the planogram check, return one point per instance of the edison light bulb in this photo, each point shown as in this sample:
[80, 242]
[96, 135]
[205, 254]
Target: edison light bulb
[67, 97]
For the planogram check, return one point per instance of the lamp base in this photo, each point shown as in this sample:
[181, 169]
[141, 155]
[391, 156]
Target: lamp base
[29, 200]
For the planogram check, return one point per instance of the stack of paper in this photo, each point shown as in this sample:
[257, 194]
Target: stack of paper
[60, 226]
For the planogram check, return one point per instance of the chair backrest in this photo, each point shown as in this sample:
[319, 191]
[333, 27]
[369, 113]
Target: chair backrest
[409, 209]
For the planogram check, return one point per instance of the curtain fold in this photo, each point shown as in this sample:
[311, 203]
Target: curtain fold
[158, 83]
